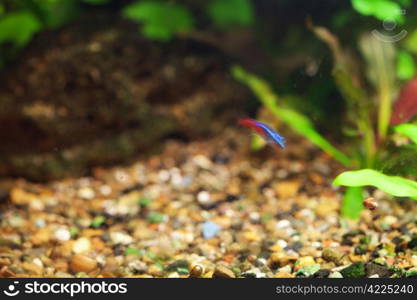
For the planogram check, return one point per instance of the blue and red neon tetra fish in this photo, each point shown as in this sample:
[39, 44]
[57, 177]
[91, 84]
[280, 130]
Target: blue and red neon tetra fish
[265, 131]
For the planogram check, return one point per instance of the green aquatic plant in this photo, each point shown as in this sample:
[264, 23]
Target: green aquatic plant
[381, 9]
[353, 180]
[162, 20]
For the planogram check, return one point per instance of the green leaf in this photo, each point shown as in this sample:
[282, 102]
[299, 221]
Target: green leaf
[380, 9]
[409, 130]
[380, 58]
[226, 13]
[55, 13]
[411, 42]
[406, 67]
[352, 203]
[160, 20]
[18, 28]
[393, 185]
[298, 122]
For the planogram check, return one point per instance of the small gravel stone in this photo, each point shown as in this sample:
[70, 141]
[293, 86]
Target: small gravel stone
[196, 271]
[86, 193]
[62, 234]
[223, 272]
[336, 275]
[120, 238]
[81, 263]
[283, 224]
[81, 245]
[331, 254]
[376, 269]
[210, 229]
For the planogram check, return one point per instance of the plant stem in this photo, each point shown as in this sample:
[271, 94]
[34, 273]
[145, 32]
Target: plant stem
[384, 113]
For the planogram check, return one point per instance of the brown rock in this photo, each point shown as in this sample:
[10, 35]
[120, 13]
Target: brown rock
[32, 268]
[287, 189]
[331, 254]
[82, 263]
[223, 272]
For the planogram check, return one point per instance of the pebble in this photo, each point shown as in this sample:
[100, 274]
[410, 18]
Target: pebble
[81, 263]
[331, 254]
[287, 189]
[40, 223]
[336, 275]
[414, 260]
[62, 234]
[389, 220]
[203, 197]
[281, 243]
[283, 224]
[304, 262]
[196, 271]
[120, 238]
[283, 274]
[137, 266]
[254, 273]
[86, 193]
[376, 269]
[308, 270]
[223, 272]
[81, 245]
[210, 229]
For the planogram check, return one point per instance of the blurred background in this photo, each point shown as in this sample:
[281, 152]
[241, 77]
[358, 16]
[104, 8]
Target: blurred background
[88, 82]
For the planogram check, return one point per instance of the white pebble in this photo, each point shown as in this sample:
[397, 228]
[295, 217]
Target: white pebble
[163, 175]
[254, 216]
[282, 243]
[283, 224]
[86, 193]
[105, 190]
[81, 245]
[203, 197]
[121, 238]
[62, 234]
[38, 262]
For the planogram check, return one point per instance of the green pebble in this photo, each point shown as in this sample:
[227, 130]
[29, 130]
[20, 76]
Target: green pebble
[411, 273]
[309, 270]
[144, 201]
[355, 270]
[380, 261]
[156, 217]
[182, 271]
[266, 217]
[74, 231]
[178, 264]
[361, 249]
[236, 270]
[96, 223]
[133, 251]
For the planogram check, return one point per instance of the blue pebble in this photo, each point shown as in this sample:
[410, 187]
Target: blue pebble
[210, 229]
